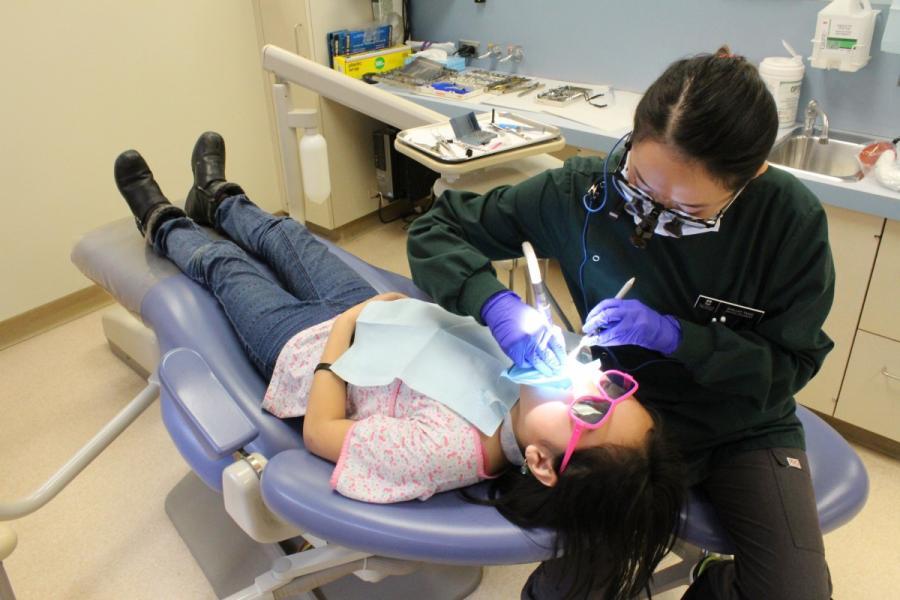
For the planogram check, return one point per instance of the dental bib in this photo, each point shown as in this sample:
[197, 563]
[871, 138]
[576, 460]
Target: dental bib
[447, 357]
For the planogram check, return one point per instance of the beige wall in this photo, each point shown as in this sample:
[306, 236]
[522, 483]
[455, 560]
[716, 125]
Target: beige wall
[82, 81]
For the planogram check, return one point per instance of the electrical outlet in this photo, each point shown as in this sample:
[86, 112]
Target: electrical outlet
[468, 48]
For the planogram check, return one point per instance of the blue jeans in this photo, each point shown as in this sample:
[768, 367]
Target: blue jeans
[313, 284]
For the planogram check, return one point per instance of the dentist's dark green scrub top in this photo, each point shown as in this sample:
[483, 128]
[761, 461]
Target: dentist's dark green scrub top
[729, 386]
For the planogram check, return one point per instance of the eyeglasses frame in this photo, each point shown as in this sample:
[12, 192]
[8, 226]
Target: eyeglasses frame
[619, 179]
[580, 426]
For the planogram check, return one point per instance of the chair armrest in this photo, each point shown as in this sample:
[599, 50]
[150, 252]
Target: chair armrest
[213, 414]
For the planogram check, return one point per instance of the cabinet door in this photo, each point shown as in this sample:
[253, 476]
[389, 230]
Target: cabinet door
[854, 242]
[870, 397]
[880, 313]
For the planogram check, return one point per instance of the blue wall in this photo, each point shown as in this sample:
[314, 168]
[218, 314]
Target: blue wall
[628, 43]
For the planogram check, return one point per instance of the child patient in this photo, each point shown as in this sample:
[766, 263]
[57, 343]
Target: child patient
[590, 463]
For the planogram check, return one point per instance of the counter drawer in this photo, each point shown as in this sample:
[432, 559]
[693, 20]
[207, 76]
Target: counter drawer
[880, 311]
[870, 396]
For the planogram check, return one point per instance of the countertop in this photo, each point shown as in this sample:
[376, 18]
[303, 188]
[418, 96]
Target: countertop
[609, 124]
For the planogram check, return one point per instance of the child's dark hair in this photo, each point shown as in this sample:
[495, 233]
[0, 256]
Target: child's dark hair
[714, 109]
[615, 511]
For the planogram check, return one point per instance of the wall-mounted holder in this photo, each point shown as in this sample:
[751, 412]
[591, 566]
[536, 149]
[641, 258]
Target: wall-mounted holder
[514, 53]
[312, 180]
[352, 93]
[494, 52]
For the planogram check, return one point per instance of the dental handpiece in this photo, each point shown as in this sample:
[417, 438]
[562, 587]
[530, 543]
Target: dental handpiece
[537, 283]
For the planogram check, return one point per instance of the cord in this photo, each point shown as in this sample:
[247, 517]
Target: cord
[407, 21]
[586, 202]
[381, 207]
[409, 216]
[418, 211]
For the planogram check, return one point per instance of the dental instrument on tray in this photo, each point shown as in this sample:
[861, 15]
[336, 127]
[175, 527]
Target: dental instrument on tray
[511, 84]
[442, 143]
[520, 128]
[563, 95]
[588, 98]
[513, 130]
[586, 340]
[534, 86]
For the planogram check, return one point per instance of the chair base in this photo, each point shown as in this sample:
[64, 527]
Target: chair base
[6, 591]
[676, 573]
[130, 340]
[231, 561]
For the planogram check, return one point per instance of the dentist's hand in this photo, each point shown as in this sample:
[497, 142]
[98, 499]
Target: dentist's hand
[524, 334]
[616, 322]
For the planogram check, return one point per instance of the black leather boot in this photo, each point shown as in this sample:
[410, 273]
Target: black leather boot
[146, 201]
[210, 186]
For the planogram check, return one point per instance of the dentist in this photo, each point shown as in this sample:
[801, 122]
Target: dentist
[735, 279]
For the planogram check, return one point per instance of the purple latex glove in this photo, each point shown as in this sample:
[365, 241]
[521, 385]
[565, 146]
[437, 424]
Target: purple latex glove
[616, 322]
[524, 334]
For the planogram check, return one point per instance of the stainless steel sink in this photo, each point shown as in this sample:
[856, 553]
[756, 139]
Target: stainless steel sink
[836, 157]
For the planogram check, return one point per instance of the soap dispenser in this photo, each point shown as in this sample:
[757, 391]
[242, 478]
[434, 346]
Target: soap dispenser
[843, 39]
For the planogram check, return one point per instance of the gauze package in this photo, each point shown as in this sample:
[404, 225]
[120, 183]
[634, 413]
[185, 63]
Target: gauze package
[447, 357]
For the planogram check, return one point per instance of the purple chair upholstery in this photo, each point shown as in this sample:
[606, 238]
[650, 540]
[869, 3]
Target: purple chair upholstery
[295, 484]
[839, 479]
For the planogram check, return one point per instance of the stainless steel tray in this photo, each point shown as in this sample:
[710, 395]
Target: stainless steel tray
[513, 132]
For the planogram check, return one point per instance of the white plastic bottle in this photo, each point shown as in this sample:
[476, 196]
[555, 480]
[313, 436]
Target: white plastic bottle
[843, 39]
[784, 77]
[314, 167]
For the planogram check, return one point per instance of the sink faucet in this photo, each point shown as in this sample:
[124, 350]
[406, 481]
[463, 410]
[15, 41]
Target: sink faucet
[812, 111]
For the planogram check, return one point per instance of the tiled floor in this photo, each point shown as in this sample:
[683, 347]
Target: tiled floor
[106, 536]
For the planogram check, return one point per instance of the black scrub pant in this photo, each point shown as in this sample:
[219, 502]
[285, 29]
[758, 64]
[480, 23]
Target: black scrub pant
[767, 505]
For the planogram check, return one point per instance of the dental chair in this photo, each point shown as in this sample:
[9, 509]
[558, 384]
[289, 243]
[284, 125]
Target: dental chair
[255, 497]
[255, 464]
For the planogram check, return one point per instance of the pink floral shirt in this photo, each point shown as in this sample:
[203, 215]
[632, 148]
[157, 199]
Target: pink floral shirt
[403, 445]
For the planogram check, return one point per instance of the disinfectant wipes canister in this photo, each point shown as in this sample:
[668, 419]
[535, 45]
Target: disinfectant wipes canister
[783, 76]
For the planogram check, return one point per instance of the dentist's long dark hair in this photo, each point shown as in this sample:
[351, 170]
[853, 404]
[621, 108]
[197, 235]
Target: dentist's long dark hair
[714, 109]
[615, 511]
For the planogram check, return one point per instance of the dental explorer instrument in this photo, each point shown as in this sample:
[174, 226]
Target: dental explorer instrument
[585, 340]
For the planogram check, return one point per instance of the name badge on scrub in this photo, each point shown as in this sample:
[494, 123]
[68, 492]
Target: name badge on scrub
[728, 313]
